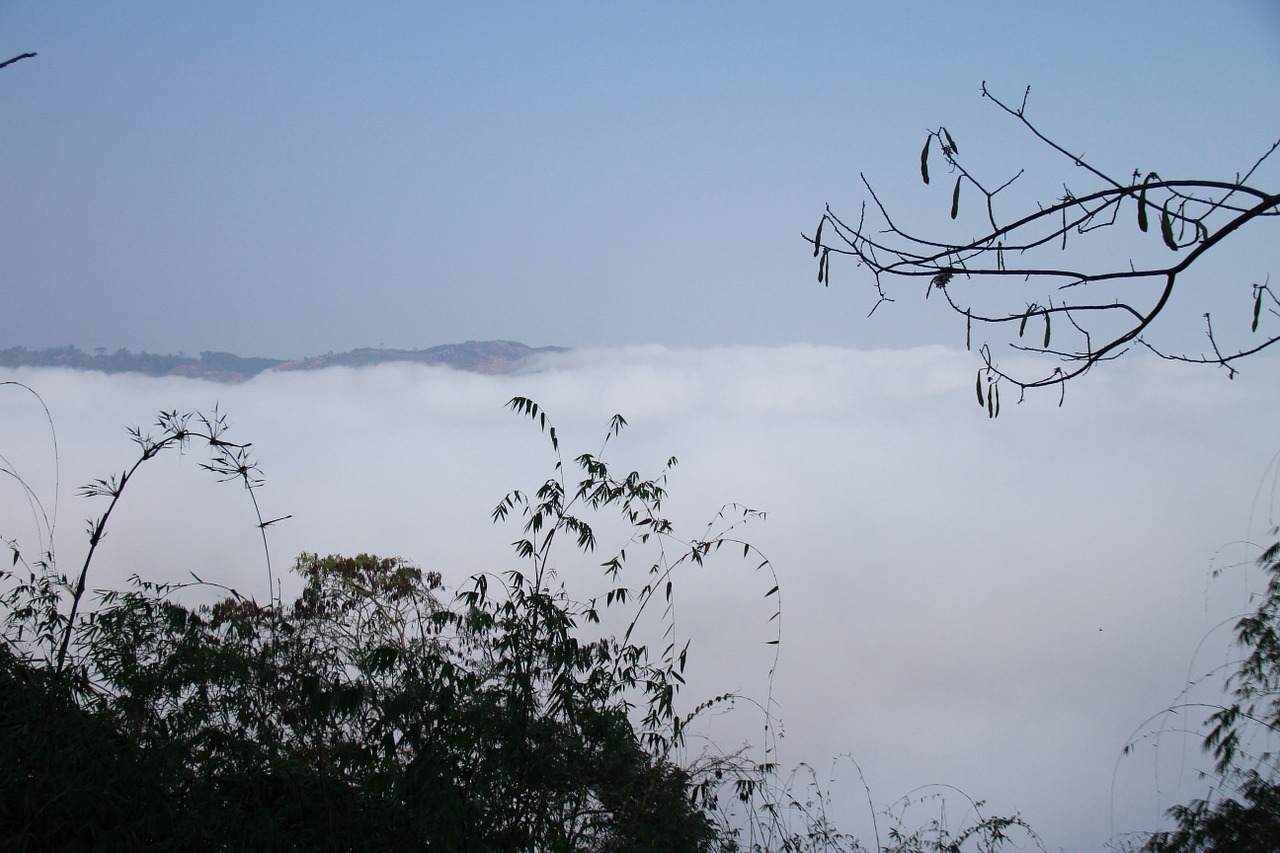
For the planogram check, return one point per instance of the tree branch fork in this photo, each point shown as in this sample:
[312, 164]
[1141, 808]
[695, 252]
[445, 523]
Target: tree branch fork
[1193, 216]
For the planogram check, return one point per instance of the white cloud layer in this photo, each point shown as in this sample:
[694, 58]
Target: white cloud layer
[995, 605]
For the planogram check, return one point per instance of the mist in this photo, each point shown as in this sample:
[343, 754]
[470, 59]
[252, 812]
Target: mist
[997, 606]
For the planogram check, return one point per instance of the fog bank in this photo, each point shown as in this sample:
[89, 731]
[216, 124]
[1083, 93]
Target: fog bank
[995, 605]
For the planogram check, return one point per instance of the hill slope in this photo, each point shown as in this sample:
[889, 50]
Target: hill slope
[475, 356]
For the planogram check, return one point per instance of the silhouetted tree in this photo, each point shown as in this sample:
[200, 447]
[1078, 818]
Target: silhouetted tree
[366, 715]
[1241, 812]
[1066, 307]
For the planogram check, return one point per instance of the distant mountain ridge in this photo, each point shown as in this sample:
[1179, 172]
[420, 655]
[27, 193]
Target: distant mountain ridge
[490, 357]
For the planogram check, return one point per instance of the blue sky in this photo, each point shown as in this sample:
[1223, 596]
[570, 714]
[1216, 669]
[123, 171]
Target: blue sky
[285, 179]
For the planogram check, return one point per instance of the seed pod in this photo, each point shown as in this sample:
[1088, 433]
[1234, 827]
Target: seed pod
[1166, 228]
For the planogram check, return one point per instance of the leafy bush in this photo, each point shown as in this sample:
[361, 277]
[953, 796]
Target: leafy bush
[1242, 810]
[373, 712]
[378, 710]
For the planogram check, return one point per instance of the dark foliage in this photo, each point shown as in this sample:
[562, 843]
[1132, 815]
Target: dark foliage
[1242, 811]
[379, 711]
[366, 715]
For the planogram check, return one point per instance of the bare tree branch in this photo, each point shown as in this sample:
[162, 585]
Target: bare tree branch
[9, 62]
[1103, 311]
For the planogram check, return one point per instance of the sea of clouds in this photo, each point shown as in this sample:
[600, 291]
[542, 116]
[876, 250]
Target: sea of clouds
[992, 605]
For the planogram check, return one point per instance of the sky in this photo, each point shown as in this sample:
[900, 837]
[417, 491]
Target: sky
[287, 179]
[993, 605]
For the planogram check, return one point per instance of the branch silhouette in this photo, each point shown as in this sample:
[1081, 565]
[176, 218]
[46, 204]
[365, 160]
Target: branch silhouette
[17, 58]
[1095, 314]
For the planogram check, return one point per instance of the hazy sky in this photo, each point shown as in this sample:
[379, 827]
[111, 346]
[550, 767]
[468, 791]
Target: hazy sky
[285, 179]
[992, 605]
